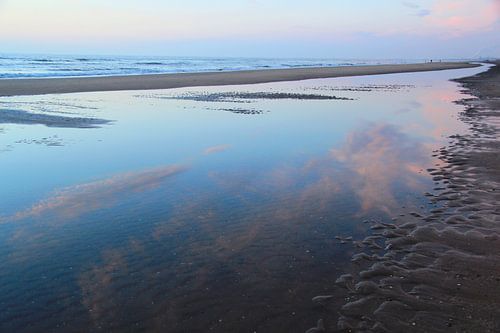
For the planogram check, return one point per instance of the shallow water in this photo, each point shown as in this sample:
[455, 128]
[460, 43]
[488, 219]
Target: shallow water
[193, 214]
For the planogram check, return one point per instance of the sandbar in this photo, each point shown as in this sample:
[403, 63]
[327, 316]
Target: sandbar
[40, 86]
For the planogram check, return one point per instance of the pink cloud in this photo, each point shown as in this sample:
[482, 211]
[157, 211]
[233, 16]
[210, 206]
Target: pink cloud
[458, 17]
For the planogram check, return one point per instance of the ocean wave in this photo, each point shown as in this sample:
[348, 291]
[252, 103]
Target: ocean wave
[68, 70]
[150, 63]
[27, 66]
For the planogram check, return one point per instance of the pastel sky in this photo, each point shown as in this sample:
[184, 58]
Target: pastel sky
[284, 28]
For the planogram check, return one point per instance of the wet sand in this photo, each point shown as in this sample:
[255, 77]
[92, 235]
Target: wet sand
[13, 87]
[439, 272]
[27, 118]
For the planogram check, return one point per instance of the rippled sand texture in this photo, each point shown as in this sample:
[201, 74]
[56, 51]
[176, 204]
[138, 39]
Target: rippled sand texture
[440, 272]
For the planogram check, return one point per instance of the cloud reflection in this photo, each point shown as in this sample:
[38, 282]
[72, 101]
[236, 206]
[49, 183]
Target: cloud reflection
[98, 287]
[216, 149]
[229, 228]
[379, 156]
[74, 201]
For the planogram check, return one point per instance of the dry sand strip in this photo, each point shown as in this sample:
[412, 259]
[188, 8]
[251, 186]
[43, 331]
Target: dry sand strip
[12, 87]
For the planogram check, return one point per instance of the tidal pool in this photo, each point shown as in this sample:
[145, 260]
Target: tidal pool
[221, 209]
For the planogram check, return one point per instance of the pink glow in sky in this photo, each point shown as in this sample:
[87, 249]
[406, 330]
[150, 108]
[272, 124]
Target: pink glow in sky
[357, 28]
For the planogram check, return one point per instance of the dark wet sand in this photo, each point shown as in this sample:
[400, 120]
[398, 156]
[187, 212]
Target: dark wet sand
[439, 272]
[28, 118]
[12, 87]
[246, 96]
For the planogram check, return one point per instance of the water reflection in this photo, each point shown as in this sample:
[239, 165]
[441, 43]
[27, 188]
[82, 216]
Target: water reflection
[72, 202]
[216, 149]
[237, 239]
[380, 156]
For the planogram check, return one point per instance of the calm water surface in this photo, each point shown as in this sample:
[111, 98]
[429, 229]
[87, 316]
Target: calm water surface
[188, 215]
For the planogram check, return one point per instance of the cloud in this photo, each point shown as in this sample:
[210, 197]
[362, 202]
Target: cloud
[445, 19]
[417, 9]
[423, 12]
[459, 17]
[410, 4]
[411, 29]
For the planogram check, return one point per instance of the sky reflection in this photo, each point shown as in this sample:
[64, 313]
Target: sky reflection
[235, 231]
[80, 199]
[379, 156]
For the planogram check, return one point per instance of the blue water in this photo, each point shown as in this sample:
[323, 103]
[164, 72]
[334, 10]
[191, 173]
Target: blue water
[26, 66]
[182, 216]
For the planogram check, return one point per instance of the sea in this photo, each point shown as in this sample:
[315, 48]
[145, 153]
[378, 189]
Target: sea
[41, 66]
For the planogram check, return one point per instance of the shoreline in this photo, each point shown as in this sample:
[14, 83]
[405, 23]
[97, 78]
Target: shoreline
[440, 271]
[42, 86]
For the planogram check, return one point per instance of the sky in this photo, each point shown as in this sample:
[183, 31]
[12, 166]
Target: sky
[363, 29]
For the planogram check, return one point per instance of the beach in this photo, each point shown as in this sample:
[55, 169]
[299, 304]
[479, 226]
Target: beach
[250, 166]
[15, 87]
[440, 272]
[246, 225]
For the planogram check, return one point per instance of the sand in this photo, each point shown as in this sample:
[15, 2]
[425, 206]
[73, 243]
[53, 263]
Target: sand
[13, 87]
[28, 118]
[439, 272]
